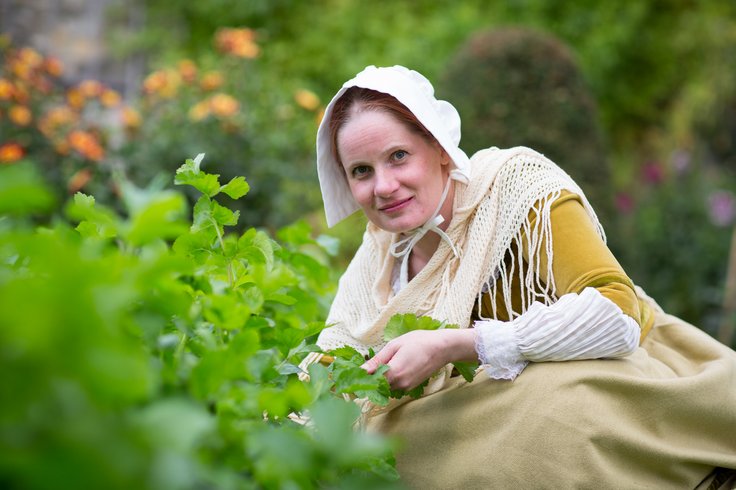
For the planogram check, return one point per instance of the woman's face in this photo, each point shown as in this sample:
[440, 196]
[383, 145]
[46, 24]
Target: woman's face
[396, 175]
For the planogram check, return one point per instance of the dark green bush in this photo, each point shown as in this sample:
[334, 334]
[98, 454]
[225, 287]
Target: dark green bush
[515, 86]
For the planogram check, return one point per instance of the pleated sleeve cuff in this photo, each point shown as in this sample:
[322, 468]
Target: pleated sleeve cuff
[577, 326]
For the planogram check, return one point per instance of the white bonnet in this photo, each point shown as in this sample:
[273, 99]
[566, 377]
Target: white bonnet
[414, 91]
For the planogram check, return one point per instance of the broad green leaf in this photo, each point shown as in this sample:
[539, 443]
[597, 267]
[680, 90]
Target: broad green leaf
[288, 368]
[226, 311]
[176, 423]
[273, 401]
[287, 338]
[333, 421]
[296, 234]
[196, 245]
[161, 218]
[319, 380]
[209, 215]
[22, 190]
[466, 369]
[190, 174]
[415, 392]
[284, 299]
[348, 353]
[298, 393]
[252, 297]
[95, 221]
[236, 188]
[255, 246]
[224, 216]
[400, 324]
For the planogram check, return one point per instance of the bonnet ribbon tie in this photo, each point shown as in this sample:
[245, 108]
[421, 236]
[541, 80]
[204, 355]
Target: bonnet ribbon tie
[402, 248]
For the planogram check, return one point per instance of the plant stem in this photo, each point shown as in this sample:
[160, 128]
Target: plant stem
[230, 278]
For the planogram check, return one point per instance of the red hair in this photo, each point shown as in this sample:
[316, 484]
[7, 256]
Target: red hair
[361, 99]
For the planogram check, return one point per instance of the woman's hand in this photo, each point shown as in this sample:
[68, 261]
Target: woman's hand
[416, 355]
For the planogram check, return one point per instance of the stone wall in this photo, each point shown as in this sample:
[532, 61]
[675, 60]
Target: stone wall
[75, 31]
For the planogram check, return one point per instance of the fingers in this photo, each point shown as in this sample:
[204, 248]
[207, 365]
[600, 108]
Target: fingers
[383, 357]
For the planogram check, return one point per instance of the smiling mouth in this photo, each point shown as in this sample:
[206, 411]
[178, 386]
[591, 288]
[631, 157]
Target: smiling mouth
[395, 206]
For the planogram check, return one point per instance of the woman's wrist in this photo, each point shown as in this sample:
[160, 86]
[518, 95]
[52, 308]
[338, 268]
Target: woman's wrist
[459, 345]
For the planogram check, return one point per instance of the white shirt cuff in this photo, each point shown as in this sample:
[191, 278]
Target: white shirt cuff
[578, 326]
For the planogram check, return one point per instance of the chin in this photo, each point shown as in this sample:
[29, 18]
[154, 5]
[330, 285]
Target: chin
[398, 226]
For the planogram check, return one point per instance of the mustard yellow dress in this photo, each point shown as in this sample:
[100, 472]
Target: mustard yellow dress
[664, 417]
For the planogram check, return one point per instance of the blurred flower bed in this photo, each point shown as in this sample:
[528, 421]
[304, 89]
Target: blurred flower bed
[84, 137]
[672, 233]
[58, 127]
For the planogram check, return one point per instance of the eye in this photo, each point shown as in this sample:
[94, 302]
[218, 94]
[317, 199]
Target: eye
[400, 155]
[360, 171]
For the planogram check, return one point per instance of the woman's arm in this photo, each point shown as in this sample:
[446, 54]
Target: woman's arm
[578, 326]
[596, 316]
[415, 356]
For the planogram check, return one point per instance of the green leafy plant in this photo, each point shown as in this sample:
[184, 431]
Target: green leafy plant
[518, 86]
[130, 361]
[351, 378]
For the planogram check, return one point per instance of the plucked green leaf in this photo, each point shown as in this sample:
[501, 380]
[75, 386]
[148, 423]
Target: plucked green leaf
[400, 324]
[466, 369]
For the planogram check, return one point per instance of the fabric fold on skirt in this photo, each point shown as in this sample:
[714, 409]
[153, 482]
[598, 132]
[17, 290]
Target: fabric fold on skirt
[663, 417]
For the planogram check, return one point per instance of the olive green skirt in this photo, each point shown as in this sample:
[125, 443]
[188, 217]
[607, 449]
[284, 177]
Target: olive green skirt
[664, 417]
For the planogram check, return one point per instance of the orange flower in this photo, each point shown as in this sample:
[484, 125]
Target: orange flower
[30, 57]
[211, 80]
[20, 115]
[163, 83]
[79, 180]
[110, 98]
[187, 70]
[90, 89]
[20, 69]
[306, 99]
[54, 67]
[75, 98]
[131, 118]
[154, 82]
[6, 89]
[237, 42]
[199, 111]
[20, 93]
[86, 144]
[223, 105]
[11, 152]
[55, 118]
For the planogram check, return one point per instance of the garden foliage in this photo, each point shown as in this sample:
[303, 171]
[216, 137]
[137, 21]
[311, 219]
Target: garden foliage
[130, 362]
[517, 86]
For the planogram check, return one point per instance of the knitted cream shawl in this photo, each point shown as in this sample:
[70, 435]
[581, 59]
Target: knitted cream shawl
[489, 215]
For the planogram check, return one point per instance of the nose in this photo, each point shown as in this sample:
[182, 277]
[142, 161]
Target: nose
[385, 183]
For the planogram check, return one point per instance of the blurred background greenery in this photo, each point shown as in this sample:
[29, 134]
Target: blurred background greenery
[637, 100]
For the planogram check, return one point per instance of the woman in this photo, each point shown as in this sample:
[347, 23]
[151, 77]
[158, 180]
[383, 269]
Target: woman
[507, 243]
